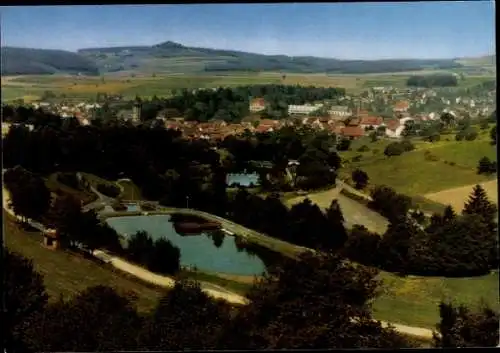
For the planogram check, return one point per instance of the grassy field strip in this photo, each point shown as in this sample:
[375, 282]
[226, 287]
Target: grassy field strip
[457, 197]
[353, 211]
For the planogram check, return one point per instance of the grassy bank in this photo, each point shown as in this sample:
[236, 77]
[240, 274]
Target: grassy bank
[68, 273]
[414, 300]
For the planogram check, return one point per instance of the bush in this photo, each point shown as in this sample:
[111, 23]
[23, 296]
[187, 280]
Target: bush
[360, 179]
[471, 135]
[407, 145]
[389, 203]
[486, 166]
[394, 149]
[363, 148]
[459, 136]
[108, 190]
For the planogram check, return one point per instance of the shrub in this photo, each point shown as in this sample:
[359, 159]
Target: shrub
[363, 148]
[394, 149]
[407, 145]
[471, 135]
[360, 179]
[486, 166]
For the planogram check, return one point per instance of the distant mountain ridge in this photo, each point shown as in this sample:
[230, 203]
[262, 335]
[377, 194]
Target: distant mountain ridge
[27, 61]
[174, 57]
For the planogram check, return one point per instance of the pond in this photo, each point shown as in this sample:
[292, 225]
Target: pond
[243, 179]
[211, 251]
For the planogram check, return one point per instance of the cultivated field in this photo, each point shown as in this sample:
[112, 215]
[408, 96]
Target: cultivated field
[457, 197]
[15, 87]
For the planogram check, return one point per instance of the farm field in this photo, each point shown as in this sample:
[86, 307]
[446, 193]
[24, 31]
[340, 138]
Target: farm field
[16, 87]
[457, 197]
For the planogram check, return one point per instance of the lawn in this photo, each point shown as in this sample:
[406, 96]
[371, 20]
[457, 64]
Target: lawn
[413, 174]
[414, 300]
[68, 274]
[238, 287]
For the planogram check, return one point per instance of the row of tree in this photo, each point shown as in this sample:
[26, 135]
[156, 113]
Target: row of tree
[232, 104]
[303, 224]
[446, 245]
[435, 80]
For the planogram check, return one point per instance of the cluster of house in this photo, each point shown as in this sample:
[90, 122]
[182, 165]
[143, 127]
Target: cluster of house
[339, 121]
[83, 112]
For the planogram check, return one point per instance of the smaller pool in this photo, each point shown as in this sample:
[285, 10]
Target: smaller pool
[132, 208]
[243, 179]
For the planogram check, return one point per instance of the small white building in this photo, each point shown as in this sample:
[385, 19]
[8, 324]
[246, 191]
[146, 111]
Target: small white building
[303, 109]
[340, 111]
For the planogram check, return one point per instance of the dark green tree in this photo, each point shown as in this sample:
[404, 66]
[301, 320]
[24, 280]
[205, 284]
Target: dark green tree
[97, 319]
[185, 318]
[310, 304]
[360, 178]
[164, 257]
[460, 327]
[24, 297]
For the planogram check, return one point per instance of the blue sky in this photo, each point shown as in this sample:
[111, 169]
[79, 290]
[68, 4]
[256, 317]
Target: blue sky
[345, 31]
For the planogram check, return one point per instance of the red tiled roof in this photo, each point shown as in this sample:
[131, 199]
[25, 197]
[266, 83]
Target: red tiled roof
[353, 131]
[401, 105]
[393, 124]
[263, 128]
[354, 122]
[269, 122]
[371, 120]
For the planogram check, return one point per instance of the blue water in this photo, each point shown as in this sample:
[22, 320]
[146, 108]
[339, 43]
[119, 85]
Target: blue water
[133, 208]
[243, 179]
[196, 250]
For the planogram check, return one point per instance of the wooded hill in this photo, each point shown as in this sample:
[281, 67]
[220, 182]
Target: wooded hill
[174, 57]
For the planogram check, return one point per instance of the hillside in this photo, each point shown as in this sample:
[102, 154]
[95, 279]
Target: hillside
[174, 56]
[25, 61]
[171, 57]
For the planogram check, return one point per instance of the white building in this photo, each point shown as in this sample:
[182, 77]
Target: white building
[303, 109]
[340, 111]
